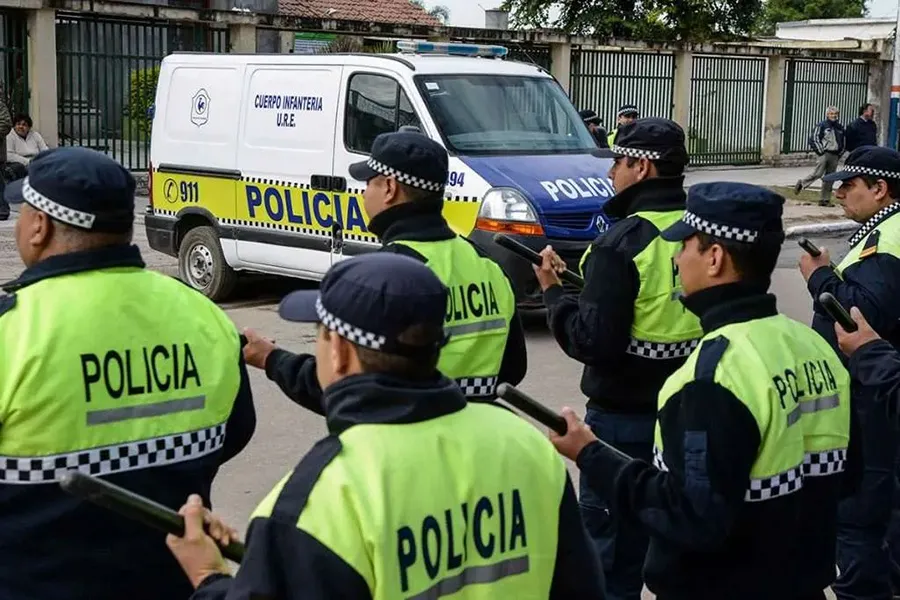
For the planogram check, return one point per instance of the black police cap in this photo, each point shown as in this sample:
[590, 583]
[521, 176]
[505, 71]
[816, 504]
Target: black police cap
[590, 117]
[412, 158]
[739, 212]
[373, 298]
[871, 161]
[651, 138]
[79, 187]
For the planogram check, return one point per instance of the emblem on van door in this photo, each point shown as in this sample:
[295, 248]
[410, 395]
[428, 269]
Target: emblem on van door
[200, 108]
[601, 224]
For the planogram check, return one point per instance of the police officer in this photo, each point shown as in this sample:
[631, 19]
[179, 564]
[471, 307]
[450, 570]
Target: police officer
[415, 493]
[595, 126]
[627, 326]
[874, 363]
[627, 115]
[753, 430]
[100, 374]
[405, 178]
[869, 278]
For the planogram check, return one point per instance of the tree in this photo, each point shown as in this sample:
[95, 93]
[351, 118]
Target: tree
[439, 12]
[693, 20]
[780, 11]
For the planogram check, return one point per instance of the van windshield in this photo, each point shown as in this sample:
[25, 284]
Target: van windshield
[504, 114]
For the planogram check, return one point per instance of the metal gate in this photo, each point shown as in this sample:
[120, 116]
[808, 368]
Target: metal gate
[811, 86]
[605, 80]
[106, 78]
[14, 61]
[727, 110]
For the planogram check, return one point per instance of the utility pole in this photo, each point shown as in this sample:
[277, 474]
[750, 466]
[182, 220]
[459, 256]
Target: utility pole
[895, 87]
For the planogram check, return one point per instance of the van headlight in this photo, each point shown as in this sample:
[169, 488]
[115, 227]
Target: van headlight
[506, 204]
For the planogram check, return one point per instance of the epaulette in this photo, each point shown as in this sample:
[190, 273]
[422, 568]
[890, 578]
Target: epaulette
[871, 246]
[7, 303]
[709, 355]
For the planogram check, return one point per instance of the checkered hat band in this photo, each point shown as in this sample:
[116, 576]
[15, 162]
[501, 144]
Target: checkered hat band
[636, 152]
[660, 351]
[477, 387]
[107, 460]
[874, 222]
[405, 178]
[718, 230]
[872, 172]
[61, 213]
[358, 336]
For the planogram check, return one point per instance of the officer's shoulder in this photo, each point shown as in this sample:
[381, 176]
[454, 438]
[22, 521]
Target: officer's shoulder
[400, 248]
[709, 355]
[625, 233]
[7, 303]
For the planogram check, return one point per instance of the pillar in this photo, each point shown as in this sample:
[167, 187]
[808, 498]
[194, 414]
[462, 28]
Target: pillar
[681, 101]
[561, 64]
[243, 38]
[43, 99]
[286, 41]
[879, 95]
[774, 110]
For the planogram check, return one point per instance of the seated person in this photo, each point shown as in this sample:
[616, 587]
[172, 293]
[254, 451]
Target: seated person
[22, 144]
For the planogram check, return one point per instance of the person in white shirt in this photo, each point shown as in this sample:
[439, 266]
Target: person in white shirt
[22, 144]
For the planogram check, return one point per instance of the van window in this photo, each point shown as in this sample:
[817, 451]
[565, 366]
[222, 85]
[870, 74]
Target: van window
[504, 114]
[375, 104]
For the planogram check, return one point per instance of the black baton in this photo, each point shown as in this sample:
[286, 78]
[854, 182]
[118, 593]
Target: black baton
[837, 312]
[541, 413]
[813, 250]
[535, 258]
[133, 506]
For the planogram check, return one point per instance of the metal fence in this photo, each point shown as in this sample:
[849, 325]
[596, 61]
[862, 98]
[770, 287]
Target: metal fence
[811, 86]
[14, 61]
[106, 79]
[727, 110]
[605, 80]
[536, 55]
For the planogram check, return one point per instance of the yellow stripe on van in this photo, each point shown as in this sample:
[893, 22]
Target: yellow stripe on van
[285, 206]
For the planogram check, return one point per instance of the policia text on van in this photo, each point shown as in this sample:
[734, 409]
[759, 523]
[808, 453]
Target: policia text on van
[246, 176]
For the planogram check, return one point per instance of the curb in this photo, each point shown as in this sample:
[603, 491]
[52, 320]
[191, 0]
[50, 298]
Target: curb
[821, 227]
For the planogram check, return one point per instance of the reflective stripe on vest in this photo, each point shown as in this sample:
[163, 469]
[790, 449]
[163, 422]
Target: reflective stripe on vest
[887, 223]
[120, 387]
[795, 387]
[486, 525]
[479, 311]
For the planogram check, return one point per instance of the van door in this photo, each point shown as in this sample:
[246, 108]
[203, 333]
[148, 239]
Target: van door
[374, 103]
[286, 150]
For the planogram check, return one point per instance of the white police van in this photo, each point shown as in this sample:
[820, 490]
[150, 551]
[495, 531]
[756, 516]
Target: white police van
[249, 157]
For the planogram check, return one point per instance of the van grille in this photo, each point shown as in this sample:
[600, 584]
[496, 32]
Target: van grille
[574, 220]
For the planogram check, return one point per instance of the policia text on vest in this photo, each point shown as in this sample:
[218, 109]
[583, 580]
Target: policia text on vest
[159, 367]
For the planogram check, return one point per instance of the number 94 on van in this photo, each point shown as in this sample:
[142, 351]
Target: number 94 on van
[456, 178]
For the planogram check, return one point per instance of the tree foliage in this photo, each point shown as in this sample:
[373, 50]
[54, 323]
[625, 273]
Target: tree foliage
[781, 11]
[693, 20]
[439, 12]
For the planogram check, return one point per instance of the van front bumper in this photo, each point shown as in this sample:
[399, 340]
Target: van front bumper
[525, 284]
[160, 233]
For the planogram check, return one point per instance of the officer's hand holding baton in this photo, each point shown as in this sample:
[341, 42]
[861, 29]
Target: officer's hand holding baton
[851, 341]
[256, 348]
[813, 258]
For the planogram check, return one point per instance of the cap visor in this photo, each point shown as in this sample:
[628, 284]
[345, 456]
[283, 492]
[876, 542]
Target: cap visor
[605, 153]
[300, 307]
[362, 172]
[678, 232]
[840, 176]
[13, 193]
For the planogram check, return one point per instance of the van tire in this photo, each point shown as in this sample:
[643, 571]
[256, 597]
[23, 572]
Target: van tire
[202, 266]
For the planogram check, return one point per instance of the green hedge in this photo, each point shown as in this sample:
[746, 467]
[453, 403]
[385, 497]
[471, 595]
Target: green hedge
[141, 95]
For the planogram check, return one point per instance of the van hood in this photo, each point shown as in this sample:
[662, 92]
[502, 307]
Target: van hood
[552, 182]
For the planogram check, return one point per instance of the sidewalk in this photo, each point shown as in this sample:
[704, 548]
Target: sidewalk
[799, 217]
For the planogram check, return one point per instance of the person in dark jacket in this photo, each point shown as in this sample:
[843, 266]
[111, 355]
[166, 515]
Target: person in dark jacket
[868, 277]
[863, 131]
[96, 377]
[754, 430]
[595, 126]
[873, 362]
[403, 217]
[828, 142]
[415, 492]
[627, 326]
[6, 126]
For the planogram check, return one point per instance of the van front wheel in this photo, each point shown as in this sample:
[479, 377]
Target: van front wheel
[202, 265]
